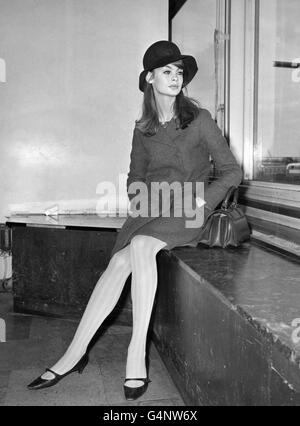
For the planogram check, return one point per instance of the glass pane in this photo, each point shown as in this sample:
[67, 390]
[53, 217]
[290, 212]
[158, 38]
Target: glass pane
[277, 148]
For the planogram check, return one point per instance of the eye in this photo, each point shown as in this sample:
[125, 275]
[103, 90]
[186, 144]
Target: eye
[167, 72]
[180, 72]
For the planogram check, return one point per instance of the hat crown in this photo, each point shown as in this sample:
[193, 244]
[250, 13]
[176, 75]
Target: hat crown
[159, 51]
[165, 52]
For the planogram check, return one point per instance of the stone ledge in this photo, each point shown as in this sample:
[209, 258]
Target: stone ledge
[226, 333]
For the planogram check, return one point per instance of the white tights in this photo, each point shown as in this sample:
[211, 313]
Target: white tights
[138, 258]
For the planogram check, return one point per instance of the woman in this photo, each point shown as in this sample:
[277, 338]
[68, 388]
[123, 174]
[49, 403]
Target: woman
[171, 143]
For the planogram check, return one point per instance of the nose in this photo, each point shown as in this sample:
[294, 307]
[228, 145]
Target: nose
[175, 77]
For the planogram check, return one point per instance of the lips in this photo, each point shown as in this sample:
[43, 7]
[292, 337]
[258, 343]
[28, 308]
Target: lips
[174, 86]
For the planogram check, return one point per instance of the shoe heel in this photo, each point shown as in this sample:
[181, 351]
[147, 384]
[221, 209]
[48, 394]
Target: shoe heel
[82, 364]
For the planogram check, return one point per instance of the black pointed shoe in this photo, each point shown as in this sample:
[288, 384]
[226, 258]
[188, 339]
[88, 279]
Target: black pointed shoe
[134, 393]
[40, 383]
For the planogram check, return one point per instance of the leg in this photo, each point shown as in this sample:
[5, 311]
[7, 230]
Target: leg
[143, 250]
[101, 303]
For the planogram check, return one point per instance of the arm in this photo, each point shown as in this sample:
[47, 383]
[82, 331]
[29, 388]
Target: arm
[138, 162]
[230, 171]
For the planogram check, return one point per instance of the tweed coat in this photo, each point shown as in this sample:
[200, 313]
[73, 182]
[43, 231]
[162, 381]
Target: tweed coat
[178, 155]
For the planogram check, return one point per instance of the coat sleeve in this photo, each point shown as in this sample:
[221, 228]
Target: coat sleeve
[230, 173]
[138, 162]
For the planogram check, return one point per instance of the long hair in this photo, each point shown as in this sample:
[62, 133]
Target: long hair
[186, 110]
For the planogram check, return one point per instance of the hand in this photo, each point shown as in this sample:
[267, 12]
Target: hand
[200, 202]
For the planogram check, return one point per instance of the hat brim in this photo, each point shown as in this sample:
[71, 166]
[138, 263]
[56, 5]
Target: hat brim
[190, 69]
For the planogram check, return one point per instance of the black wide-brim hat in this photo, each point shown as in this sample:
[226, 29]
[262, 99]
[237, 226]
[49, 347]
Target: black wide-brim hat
[165, 52]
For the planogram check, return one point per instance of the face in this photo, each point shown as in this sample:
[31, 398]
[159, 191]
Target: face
[166, 80]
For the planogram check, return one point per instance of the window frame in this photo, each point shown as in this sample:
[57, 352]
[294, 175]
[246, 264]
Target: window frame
[243, 120]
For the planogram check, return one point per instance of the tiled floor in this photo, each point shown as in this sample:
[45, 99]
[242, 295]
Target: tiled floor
[33, 343]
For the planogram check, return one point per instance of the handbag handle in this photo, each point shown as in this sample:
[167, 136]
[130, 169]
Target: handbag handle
[233, 190]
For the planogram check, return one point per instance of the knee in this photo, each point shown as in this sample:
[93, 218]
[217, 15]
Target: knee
[139, 243]
[121, 259]
[146, 245]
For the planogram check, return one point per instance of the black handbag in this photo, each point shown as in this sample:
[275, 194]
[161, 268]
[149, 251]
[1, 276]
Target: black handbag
[226, 226]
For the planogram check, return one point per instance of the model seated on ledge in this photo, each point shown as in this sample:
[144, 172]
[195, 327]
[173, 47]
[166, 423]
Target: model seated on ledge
[172, 142]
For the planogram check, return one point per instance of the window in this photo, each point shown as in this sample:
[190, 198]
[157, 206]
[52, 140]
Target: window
[276, 149]
[264, 128]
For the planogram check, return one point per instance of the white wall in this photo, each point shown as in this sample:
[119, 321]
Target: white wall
[68, 107]
[193, 30]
